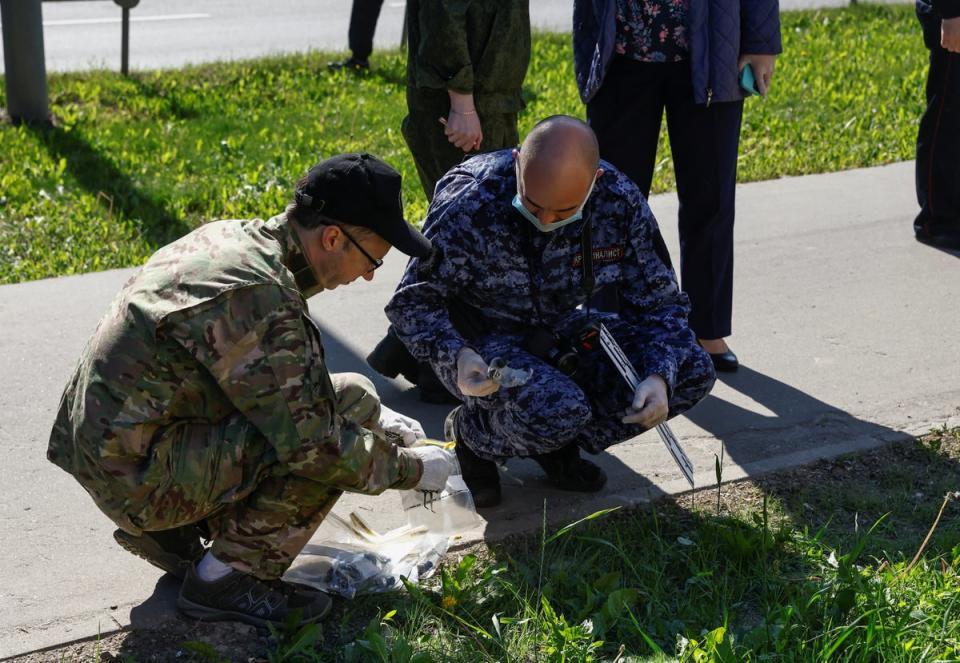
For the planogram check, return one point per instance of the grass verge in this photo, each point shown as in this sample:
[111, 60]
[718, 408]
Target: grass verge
[136, 162]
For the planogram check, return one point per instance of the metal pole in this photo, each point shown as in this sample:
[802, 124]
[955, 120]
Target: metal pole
[26, 72]
[125, 43]
[126, 6]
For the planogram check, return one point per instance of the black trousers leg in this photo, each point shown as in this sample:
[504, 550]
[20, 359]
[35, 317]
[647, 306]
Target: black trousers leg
[626, 114]
[363, 23]
[938, 145]
[705, 141]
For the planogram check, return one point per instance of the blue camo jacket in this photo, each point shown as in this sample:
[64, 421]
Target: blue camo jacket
[488, 256]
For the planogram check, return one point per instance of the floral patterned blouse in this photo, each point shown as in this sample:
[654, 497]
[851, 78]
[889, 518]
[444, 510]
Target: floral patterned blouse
[652, 30]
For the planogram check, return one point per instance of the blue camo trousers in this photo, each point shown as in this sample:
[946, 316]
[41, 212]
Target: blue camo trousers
[552, 410]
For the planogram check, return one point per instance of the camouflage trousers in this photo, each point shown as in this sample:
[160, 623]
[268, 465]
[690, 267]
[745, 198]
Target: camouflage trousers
[553, 410]
[227, 476]
[432, 153]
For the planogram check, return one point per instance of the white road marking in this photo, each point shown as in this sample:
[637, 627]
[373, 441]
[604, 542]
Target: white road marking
[133, 19]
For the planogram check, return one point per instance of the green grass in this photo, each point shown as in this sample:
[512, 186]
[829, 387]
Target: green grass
[138, 161]
[774, 583]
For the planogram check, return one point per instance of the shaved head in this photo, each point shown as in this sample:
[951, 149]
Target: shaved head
[558, 162]
[561, 142]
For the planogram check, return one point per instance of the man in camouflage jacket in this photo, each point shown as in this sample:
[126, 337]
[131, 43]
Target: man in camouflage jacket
[202, 404]
[508, 271]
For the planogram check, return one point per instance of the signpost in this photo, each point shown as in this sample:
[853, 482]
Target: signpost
[26, 71]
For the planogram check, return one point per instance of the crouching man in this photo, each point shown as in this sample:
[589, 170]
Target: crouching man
[522, 242]
[202, 408]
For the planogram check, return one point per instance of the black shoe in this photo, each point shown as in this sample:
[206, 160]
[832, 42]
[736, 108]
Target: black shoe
[245, 598]
[172, 550]
[725, 362]
[481, 476]
[391, 358]
[431, 389]
[351, 64]
[938, 237]
[568, 471]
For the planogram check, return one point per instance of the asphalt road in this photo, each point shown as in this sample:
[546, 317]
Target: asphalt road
[86, 35]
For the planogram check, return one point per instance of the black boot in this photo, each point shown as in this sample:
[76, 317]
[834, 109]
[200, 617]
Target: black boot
[431, 389]
[172, 550]
[481, 476]
[391, 358]
[568, 471]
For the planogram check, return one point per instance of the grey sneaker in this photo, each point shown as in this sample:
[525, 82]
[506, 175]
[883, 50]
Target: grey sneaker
[172, 550]
[245, 598]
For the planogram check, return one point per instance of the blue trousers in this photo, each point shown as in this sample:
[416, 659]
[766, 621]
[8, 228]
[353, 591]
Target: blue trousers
[553, 410]
[626, 114]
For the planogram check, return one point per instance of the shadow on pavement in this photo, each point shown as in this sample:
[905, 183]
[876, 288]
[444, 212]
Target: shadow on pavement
[803, 430]
[159, 607]
[797, 422]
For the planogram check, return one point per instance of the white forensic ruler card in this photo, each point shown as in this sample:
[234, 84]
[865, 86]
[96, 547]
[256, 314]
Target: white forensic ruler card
[615, 352]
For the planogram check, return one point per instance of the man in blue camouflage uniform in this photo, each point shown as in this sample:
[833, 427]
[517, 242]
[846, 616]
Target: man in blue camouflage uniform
[507, 270]
[202, 405]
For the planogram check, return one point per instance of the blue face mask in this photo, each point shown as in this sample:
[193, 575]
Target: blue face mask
[556, 225]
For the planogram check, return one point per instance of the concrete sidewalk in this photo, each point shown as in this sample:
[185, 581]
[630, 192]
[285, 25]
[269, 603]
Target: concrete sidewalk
[845, 325]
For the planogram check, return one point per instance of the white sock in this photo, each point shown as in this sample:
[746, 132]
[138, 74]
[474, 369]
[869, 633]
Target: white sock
[210, 568]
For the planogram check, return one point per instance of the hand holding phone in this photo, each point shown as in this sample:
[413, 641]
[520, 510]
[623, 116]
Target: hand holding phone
[748, 81]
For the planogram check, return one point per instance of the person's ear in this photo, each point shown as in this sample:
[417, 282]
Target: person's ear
[328, 237]
[600, 172]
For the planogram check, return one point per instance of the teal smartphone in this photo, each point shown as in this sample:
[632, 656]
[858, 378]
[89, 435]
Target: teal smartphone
[748, 81]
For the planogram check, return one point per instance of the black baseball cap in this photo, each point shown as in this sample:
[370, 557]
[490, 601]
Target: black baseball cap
[362, 190]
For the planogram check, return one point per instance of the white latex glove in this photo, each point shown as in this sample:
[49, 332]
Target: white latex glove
[400, 426]
[650, 405]
[438, 464]
[472, 377]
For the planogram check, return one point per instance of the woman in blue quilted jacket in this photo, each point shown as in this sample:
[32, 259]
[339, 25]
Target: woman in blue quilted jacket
[635, 58]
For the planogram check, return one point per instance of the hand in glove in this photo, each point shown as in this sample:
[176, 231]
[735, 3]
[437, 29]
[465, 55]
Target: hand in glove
[399, 426]
[472, 377]
[650, 405]
[438, 464]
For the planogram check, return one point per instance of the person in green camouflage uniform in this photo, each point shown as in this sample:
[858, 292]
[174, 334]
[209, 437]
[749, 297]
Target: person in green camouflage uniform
[465, 68]
[466, 63]
[202, 403]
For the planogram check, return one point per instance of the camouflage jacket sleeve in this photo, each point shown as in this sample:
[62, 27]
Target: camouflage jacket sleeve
[442, 59]
[418, 309]
[651, 299]
[266, 355]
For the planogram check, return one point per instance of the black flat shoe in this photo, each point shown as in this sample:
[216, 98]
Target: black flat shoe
[725, 362]
[941, 239]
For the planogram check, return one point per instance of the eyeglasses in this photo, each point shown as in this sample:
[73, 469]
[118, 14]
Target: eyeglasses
[376, 262]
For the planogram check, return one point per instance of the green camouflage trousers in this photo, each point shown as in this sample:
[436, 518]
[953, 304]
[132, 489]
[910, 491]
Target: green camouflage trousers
[260, 516]
[433, 154]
